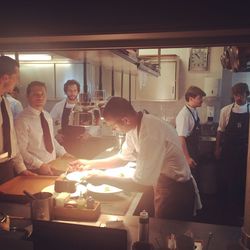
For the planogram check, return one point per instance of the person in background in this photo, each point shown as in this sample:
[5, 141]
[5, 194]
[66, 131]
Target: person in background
[188, 126]
[15, 105]
[160, 162]
[232, 147]
[11, 161]
[61, 111]
[34, 128]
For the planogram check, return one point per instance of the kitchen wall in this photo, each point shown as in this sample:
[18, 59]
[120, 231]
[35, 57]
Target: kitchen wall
[169, 110]
[55, 75]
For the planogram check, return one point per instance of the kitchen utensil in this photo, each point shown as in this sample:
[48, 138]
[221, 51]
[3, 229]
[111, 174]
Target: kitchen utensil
[42, 206]
[31, 196]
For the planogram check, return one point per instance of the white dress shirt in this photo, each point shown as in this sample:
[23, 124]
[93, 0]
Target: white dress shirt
[225, 114]
[30, 138]
[185, 121]
[15, 105]
[15, 158]
[57, 111]
[157, 150]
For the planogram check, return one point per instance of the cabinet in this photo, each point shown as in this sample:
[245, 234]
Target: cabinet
[162, 88]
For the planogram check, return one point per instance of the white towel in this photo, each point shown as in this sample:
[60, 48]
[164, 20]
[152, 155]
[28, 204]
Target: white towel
[197, 200]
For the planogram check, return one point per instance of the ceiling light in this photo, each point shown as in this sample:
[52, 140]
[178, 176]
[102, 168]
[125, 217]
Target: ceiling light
[31, 57]
[34, 57]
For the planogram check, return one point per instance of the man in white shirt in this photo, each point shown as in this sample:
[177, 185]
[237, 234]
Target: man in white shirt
[232, 147]
[11, 161]
[160, 162]
[31, 136]
[188, 126]
[61, 111]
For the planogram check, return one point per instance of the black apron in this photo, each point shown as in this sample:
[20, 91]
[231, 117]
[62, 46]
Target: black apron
[234, 156]
[192, 140]
[65, 118]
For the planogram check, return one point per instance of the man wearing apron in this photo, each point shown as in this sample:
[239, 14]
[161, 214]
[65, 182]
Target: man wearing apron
[61, 111]
[188, 126]
[11, 162]
[232, 148]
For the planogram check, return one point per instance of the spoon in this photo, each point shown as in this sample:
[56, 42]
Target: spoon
[31, 196]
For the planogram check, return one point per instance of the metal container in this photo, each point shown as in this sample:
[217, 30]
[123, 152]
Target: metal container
[42, 206]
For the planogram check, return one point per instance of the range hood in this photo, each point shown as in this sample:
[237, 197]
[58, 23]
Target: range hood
[131, 56]
[125, 60]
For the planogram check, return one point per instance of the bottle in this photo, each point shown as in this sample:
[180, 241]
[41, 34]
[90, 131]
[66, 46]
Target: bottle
[143, 226]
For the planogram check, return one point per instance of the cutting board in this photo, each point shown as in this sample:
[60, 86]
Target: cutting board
[32, 184]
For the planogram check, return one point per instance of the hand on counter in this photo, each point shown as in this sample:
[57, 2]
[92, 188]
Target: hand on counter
[68, 157]
[79, 165]
[45, 169]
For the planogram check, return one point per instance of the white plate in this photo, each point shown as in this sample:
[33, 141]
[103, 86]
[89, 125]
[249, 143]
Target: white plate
[103, 189]
[79, 189]
[77, 176]
[125, 172]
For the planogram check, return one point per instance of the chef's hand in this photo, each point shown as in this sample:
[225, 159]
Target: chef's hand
[27, 173]
[191, 162]
[45, 169]
[79, 165]
[97, 178]
[68, 157]
[217, 153]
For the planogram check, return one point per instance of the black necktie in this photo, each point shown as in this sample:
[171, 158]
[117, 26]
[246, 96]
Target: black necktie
[46, 134]
[6, 129]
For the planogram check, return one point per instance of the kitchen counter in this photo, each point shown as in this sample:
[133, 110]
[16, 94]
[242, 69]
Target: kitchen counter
[214, 237]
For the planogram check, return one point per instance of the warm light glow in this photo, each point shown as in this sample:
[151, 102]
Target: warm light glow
[32, 57]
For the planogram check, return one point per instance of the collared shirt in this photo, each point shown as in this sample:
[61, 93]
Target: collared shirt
[225, 114]
[30, 138]
[157, 150]
[15, 158]
[57, 111]
[15, 105]
[185, 121]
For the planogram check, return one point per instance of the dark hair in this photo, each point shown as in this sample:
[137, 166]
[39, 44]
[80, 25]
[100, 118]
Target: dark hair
[69, 83]
[7, 65]
[35, 83]
[240, 89]
[16, 89]
[118, 107]
[194, 91]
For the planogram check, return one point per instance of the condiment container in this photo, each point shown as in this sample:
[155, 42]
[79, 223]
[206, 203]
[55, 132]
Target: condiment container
[144, 226]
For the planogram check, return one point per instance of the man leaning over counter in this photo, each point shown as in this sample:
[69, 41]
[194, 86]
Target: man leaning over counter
[11, 161]
[160, 162]
[37, 144]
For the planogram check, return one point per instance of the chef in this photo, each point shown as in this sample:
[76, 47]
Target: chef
[160, 162]
[11, 161]
[188, 125]
[232, 147]
[61, 111]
